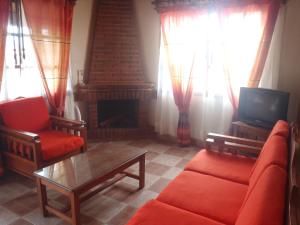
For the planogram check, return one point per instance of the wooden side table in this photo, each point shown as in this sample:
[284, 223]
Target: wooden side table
[243, 130]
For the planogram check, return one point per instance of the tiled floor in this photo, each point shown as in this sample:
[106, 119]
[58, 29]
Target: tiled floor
[114, 206]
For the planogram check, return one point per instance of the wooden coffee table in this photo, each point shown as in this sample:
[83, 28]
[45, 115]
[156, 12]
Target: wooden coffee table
[84, 175]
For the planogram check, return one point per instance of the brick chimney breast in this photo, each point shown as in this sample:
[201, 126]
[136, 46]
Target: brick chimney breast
[115, 53]
[114, 74]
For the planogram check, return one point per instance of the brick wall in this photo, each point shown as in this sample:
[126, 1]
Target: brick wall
[115, 53]
[114, 70]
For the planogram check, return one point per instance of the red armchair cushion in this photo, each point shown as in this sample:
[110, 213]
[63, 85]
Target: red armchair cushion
[205, 195]
[27, 114]
[157, 213]
[56, 144]
[222, 165]
[265, 205]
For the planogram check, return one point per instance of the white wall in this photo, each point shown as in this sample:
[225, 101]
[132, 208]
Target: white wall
[149, 28]
[289, 79]
[148, 22]
[80, 33]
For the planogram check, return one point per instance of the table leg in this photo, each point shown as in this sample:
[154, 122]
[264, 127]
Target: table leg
[142, 172]
[42, 192]
[75, 207]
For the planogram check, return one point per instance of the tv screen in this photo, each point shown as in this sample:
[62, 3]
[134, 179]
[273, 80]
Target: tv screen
[262, 107]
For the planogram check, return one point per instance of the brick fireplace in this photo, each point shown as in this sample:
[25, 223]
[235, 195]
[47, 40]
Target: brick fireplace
[115, 89]
[118, 113]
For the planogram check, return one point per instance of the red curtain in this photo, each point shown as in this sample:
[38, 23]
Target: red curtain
[4, 14]
[180, 54]
[269, 11]
[50, 22]
[262, 53]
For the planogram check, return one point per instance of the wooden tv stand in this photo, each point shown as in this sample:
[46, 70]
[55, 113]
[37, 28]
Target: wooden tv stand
[241, 129]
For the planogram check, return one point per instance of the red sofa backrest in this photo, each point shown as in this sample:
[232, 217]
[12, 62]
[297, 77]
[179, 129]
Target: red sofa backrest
[274, 151]
[265, 204]
[27, 114]
[281, 128]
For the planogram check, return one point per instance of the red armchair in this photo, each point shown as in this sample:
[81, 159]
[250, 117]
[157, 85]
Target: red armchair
[32, 139]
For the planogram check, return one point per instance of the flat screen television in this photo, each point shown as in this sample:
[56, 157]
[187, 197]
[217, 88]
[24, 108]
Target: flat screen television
[262, 107]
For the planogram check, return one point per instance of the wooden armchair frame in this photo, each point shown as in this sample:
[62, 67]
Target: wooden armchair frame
[22, 150]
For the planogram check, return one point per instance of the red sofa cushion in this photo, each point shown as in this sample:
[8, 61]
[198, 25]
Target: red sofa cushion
[205, 195]
[158, 213]
[281, 128]
[27, 114]
[222, 165]
[265, 205]
[1, 167]
[56, 144]
[275, 151]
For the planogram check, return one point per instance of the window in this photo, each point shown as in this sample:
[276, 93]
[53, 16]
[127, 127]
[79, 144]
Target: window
[223, 44]
[218, 42]
[20, 80]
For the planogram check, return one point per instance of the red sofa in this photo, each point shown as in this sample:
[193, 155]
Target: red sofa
[217, 187]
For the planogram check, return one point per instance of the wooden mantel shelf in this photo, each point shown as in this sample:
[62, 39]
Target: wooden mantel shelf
[115, 91]
[116, 85]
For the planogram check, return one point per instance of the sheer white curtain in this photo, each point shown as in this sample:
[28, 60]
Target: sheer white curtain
[25, 80]
[71, 109]
[210, 108]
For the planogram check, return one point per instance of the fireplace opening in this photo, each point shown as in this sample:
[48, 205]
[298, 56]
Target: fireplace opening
[118, 113]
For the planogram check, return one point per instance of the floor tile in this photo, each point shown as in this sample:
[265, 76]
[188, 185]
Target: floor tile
[167, 160]
[151, 155]
[141, 142]
[23, 204]
[84, 220]
[140, 198]
[156, 168]
[20, 222]
[177, 151]
[159, 185]
[11, 191]
[102, 208]
[172, 173]
[6, 216]
[123, 216]
[158, 148]
[182, 163]
[121, 191]
[36, 217]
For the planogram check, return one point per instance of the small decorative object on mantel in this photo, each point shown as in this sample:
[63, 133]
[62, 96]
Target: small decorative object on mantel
[80, 76]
